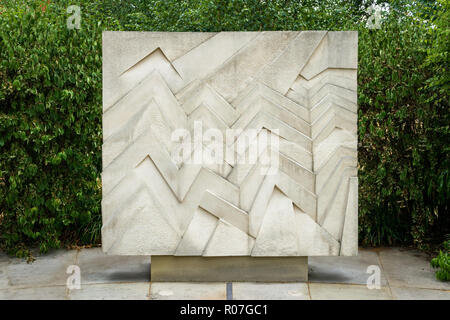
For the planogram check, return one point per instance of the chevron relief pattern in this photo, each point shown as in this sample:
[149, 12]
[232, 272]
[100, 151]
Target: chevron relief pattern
[295, 88]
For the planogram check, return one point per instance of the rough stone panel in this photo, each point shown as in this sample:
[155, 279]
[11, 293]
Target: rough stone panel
[297, 87]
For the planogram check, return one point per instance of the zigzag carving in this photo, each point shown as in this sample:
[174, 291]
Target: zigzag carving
[156, 201]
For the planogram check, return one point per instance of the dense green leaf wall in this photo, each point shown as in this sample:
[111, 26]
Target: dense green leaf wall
[50, 109]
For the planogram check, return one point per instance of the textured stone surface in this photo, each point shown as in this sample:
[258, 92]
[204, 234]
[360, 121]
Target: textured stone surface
[236, 268]
[410, 268]
[419, 294]
[47, 270]
[187, 291]
[116, 291]
[3, 257]
[297, 87]
[351, 270]
[325, 291]
[34, 293]
[97, 267]
[270, 291]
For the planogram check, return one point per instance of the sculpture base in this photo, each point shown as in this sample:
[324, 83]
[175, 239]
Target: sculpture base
[225, 269]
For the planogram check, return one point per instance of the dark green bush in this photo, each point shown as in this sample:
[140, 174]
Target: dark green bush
[50, 109]
[50, 127]
[404, 132]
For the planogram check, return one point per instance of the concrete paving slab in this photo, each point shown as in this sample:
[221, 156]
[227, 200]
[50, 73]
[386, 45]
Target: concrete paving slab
[352, 270]
[97, 267]
[325, 291]
[3, 257]
[406, 274]
[4, 282]
[409, 268]
[187, 291]
[270, 291]
[229, 269]
[34, 293]
[111, 291]
[46, 271]
[4, 262]
[419, 294]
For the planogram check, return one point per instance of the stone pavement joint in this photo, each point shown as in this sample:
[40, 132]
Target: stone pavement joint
[229, 291]
[382, 268]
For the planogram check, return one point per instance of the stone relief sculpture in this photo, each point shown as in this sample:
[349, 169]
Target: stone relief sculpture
[295, 88]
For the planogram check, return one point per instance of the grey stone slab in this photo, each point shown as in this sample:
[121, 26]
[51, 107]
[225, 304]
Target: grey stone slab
[97, 267]
[111, 291]
[34, 293]
[4, 261]
[46, 271]
[270, 291]
[4, 282]
[419, 294]
[410, 268]
[229, 269]
[351, 270]
[326, 291]
[187, 291]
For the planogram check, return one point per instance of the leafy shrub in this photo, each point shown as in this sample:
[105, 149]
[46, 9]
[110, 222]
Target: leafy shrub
[50, 109]
[404, 135]
[50, 127]
[442, 263]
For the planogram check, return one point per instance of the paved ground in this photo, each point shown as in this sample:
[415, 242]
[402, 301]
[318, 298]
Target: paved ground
[404, 274]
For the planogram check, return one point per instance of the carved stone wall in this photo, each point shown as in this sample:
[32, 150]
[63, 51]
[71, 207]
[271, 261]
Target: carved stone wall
[299, 87]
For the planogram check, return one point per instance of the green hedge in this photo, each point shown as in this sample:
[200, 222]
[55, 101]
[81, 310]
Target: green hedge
[50, 110]
[50, 128]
